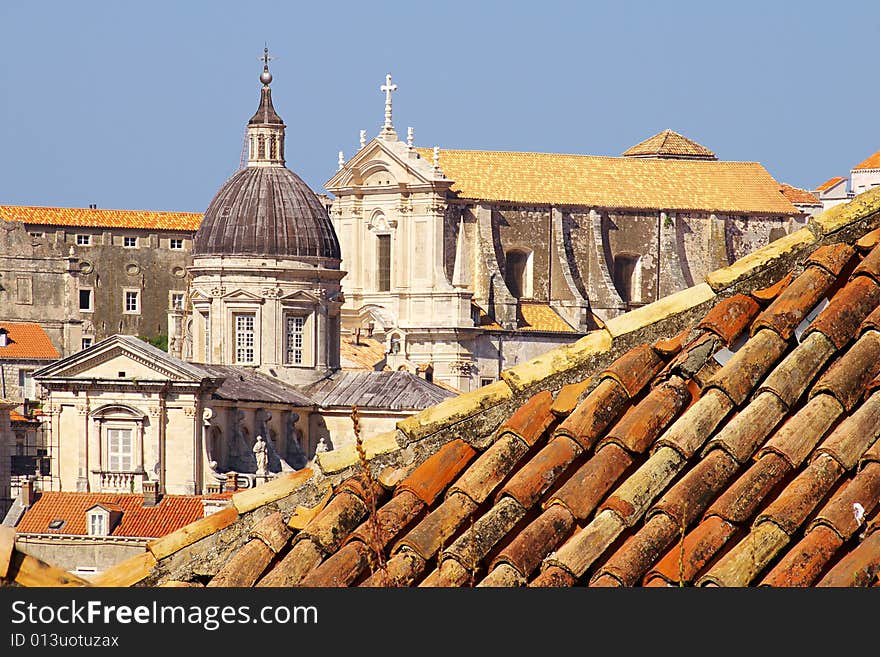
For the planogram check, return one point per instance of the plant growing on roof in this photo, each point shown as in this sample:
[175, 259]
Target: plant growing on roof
[377, 555]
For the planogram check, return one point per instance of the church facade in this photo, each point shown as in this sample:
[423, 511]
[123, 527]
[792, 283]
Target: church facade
[472, 261]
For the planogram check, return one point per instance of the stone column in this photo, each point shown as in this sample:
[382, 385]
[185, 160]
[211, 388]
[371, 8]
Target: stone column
[82, 479]
[95, 455]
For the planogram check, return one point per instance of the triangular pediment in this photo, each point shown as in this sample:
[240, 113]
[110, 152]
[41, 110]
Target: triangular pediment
[242, 295]
[382, 163]
[122, 357]
[197, 296]
[301, 295]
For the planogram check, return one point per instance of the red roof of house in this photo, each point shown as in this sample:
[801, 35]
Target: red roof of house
[27, 340]
[873, 162]
[172, 512]
[799, 196]
[831, 182]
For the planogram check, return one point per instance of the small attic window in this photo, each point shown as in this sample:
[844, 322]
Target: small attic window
[56, 524]
[96, 521]
[121, 375]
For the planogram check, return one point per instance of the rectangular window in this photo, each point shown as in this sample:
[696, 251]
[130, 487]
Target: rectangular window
[486, 381]
[176, 243]
[26, 383]
[206, 318]
[384, 256]
[36, 235]
[24, 290]
[132, 302]
[86, 343]
[244, 338]
[83, 240]
[130, 242]
[294, 335]
[97, 526]
[119, 450]
[85, 301]
[177, 300]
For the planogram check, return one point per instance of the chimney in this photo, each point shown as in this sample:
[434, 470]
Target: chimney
[28, 492]
[151, 493]
[231, 481]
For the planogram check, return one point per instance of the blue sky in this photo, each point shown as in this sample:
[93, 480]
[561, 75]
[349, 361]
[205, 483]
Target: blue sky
[142, 105]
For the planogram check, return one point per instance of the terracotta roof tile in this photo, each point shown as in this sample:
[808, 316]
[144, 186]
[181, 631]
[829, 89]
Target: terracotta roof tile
[799, 196]
[847, 376]
[93, 218]
[790, 379]
[686, 500]
[841, 319]
[765, 295]
[365, 352]
[585, 489]
[854, 435]
[831, 182]
[294, 566]
[490, 468]
[858, 568]
[594, 414]
[745, 432]
[788, 309]
[568, 397]
[475, 543]
[404, 569]
[872, 322]
[537, 316]
[745, 561]
[741, 500]
[432, 477]
[668, 347]
[685, 561]
[872, 162]
[635, 369]
[332, 525]
[693, 427]
[553, 576]
[627, 565]
[738, 377]
[868, 241]
[245, 566]
[427, 537]
[635, 495]
[389, 521]
[532, 419]
[668, 143]
[27, 340]
[534, 478]
[613, 182]
[797, 437]
[730, 317]
[870, 265]
[833, 258]
[839, 513]
[503, 575]
[586, 545]
[341, 568]
[540, 537]
[804, 563]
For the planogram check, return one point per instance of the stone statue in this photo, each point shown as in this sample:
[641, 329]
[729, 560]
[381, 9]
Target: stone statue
[262, 455]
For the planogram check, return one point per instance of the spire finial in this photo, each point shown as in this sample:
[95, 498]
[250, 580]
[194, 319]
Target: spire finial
[363, 138]
[409, 137]
[265, 76]
[436, 158]
[341, 160]
[388, 128]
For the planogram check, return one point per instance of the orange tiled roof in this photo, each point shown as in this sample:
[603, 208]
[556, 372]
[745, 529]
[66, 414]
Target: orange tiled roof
[613, 182]
[172, 512]
[831, 182]
[369, 354]
[537, 316]
[669, 144]
[91, 218]
[798, 195]
[873, 162]
[27, 340]
[15, 416]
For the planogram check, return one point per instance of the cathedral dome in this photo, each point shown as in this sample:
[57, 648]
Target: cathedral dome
[266, 211]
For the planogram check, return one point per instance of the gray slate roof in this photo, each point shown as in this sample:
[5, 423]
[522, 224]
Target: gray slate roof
[376, 390]
[246, 385]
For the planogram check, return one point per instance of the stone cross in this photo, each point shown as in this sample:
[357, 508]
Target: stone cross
[409, 137]
[436, 158]
[341, 160]
[388, 88]
[363, 138]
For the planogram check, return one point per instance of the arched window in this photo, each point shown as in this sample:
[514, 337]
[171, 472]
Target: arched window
[394, 346]
[628, 277]
[383, 264]
[518, 273]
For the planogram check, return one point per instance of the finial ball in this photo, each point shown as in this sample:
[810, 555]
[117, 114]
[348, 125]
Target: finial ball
[265, 76]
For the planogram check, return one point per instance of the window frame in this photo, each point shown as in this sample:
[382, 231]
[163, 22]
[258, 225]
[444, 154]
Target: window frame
[384, 241]
[171, 242]
[172, 295]
[98, 521]
[295, 355]
[91, 307]
[26, 383]
[83, 344]
[137, 295]
[240, 338]
[125, 239]
[83, 239]
[119, 452]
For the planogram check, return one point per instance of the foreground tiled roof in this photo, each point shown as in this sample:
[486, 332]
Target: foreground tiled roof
[669, 144]
[798, 195]
[93, 218]
[172, 513]
[873, 162]
[613, 182]
[831, 182]
[27, 340]
[726, 435]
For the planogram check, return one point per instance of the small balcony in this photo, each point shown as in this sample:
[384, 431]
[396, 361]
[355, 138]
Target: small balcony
[121, 482]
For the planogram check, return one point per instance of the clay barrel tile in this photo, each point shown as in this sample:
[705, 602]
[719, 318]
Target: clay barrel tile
[848, 376]
[840, 512]
[639, 552]
[730, 317]
[668, 347]
[634, 369]
[872, 455]
[434, 530]
[739, 502]
[841, 319]
[296, 564]
[403, 569]
[334, 523]
[858, 568]
[746, 367]
[341, 568]
[362, 487]
[692, 357]
[869, 266]
[594, 414]
[693, 427]
[854, 435]
[803, 563]
[767, 294]
[746, 560]
[789, 308]
[800, 434]
[834, 258]
[431, 477]
[490, 468]
[745, 432]
[633, 497]
[583, 491]
[689, 496]
[531, 419]
[554, 577]
[686, 560]
[637, 429]
[474, 544]
[568, 397]
[868, 241]
[502, 576]
[584, 547]
[801, 497]
[606, 580]
[872, 322]
[273, 531]
[798, 369]
[245, 566]
[536, 477]
[389, 521]
[532, 544]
